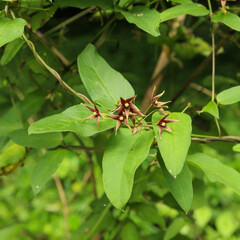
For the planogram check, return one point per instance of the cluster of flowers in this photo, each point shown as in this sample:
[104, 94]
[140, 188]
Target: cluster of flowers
[127, 109]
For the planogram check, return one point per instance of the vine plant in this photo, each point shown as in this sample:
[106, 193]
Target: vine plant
[110, 102]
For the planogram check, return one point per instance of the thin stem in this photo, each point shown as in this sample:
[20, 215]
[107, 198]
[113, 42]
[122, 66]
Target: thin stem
[83, 147]
[149, 114]
[148, 108]
[213, 65]
[55, 73]
[218, 127]
[203, 136]
[99, 221]
[33, 8]
[213, 53]
[64, 204]
[210, 7]
[188, 106]
[70, 20]
[205, 140]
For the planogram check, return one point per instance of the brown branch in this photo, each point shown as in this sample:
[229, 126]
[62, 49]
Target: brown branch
[157, 76]
[201, 67]
[64, 204]
[162, 62]
[84, 147]
[201, 89]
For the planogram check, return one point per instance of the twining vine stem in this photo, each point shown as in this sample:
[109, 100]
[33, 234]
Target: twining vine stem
[51, 70]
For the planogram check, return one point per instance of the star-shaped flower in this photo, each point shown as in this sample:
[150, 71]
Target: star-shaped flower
[121, 119]
[163, 124]
[155, 99]
[128, 108]
[96, 114]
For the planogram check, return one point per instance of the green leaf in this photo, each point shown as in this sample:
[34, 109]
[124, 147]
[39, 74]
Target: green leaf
[174, 146]
[130, 232]
[11, 50]
[123, 155]
[12, 232]
[14, 118]
[226, 224]
[229, 96]
[216, 171]
[45, 168]
[182, 1]
[192, 9]
[230, 19]
[11, 153]
[174, 228]
[146, 19]
[211, 108]
[236, 148]
[149, 213]
[11, 29]
[180, 187]
[45, 140]
[72, 120]
[104, 4]
[42, 17]
[104, 84]
[203, 216]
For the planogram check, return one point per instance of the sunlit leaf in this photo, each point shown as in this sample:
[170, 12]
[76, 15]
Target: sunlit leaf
[180, 187]
[146, 19]
[211, 108]
[229, 96]
[103, 83]
[123, 155]
[226, 224]
[72, 119]
[174, 228]
[174, 145]
[45, 168]
[11, 50]
[230, 19]
[11, 153]
[216, 171]
[11, 29]
[192, 9]
[236, 148]
[45, 140]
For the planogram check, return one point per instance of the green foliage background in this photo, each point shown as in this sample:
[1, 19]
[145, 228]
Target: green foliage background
[28, 92]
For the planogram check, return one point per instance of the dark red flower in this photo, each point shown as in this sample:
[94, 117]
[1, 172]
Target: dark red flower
[163, 124]
[155, 98]
[96, 114]
[121, 119]
[128, 108]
